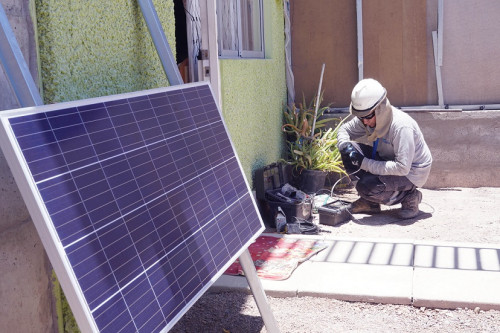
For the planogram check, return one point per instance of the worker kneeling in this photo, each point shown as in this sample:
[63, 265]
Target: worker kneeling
[385, 150]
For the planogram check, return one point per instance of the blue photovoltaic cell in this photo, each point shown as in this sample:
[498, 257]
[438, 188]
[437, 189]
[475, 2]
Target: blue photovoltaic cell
[147, 199]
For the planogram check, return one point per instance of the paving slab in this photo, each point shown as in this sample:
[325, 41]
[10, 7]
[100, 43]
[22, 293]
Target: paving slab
[357, 282]
[365, 251]
[453, 288]
[230, 282]
[460, 256]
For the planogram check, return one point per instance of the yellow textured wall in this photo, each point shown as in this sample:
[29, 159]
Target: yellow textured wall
[92, 48]
[253, 95]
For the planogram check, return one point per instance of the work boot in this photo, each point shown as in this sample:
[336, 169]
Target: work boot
[409, 205]
[363, 206]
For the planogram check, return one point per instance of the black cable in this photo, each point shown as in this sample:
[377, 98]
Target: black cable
[305, 227]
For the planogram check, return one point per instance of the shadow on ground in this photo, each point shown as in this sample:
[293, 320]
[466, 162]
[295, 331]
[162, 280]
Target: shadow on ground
[390, 217]
[219, 312]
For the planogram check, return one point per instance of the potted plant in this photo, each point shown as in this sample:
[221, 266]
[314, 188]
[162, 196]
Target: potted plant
[311, 147]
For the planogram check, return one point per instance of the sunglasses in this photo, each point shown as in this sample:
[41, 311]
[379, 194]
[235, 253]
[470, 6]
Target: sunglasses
[370, 116]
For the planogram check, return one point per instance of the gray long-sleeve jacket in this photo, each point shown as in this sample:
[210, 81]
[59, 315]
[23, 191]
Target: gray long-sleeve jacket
[403, 148]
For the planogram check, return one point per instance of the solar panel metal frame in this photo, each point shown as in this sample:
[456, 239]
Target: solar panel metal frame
[42, 220]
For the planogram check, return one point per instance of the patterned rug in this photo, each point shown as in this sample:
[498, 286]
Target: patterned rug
[276, 258]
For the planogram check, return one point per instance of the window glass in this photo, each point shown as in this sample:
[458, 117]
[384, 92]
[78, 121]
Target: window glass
[250, 25]
[228, 24]
[240, 28]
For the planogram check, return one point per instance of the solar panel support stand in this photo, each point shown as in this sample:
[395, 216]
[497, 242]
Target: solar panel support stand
[258, 292]
[15, 66]
[161, 43]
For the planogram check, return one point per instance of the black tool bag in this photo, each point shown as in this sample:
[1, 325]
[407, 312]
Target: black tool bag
[269, 184]
[293, 209]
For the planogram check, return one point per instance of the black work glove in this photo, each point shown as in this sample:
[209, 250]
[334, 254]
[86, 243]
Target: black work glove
[356, 158]
[346, 160]
[347, 149]
[351, 158]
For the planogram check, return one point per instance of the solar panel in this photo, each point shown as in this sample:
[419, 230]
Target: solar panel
[139, 199]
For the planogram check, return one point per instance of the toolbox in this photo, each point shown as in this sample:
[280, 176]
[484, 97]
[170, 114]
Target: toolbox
[269, 182]
[334, 213]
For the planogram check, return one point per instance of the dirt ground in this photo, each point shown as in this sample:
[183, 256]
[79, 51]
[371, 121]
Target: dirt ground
[236, 312]
[449, 214]
[452, 215]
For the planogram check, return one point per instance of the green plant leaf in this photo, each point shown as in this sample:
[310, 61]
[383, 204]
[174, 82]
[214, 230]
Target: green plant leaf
[318, 152]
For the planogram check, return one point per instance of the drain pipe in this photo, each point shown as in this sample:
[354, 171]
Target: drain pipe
[432, 108]
[437, 43]
[359, 23]
[290, 82]
[452, 108]
[439, 81]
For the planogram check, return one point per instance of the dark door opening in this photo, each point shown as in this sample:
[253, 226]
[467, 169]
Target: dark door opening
[181, 46]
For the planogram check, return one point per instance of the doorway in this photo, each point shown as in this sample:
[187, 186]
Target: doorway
[181, 40]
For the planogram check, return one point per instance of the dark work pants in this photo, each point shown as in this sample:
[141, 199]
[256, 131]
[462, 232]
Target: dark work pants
[387, 190]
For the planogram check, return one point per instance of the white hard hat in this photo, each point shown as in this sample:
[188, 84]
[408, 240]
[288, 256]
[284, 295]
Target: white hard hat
[366, 95]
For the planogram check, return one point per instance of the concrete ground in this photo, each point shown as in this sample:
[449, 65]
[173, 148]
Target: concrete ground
[447, 257]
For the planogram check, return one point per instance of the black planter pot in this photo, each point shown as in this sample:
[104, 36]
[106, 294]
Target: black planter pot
[312, 181]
